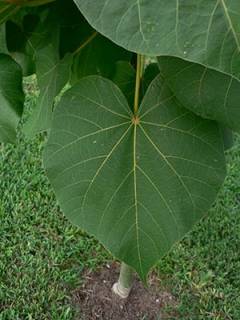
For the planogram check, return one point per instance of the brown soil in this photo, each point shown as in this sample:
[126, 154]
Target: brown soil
[96, 301]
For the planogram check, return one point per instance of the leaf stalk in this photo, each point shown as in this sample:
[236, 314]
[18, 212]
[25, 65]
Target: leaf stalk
[139, 73]
[86, 42]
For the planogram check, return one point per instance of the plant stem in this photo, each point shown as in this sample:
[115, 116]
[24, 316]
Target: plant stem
[85, 43]
[139, 72]
[123, 287]
[126, 276]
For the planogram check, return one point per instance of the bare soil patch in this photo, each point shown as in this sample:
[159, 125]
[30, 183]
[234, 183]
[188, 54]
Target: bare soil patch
[95, 300]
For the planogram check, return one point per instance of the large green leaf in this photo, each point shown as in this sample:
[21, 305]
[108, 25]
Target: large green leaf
[41, 54]
[204, 31]
[208, 93]
[136, 183]
[11, 98]
[52, 75]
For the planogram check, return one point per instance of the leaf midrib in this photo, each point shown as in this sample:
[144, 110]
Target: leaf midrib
[135, 197]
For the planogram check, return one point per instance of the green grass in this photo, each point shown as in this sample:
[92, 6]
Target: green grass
[203, 271]
[42, 256]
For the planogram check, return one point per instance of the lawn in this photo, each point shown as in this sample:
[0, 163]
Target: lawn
[42, 256]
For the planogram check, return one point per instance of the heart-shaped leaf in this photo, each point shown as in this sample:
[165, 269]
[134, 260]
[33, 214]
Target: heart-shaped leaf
[203, 31]
[11, 98]
[208, 93]
[137, 183]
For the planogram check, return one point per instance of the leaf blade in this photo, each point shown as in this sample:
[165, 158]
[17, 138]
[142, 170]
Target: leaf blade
[138, 188]
[206, 32]
[196, 86]
[52, 75]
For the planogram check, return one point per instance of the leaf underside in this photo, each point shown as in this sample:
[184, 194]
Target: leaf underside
[138, 184]
[207, 32]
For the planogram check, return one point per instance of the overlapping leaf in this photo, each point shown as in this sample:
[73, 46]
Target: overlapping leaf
[11, 98]
[93, 53]
[29, 32]
[137, 183]
[208, 93]
[52, 75]
[204, 31]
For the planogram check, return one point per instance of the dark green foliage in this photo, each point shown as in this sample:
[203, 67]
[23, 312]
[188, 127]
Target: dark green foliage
[206, 32]
[11, 97]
